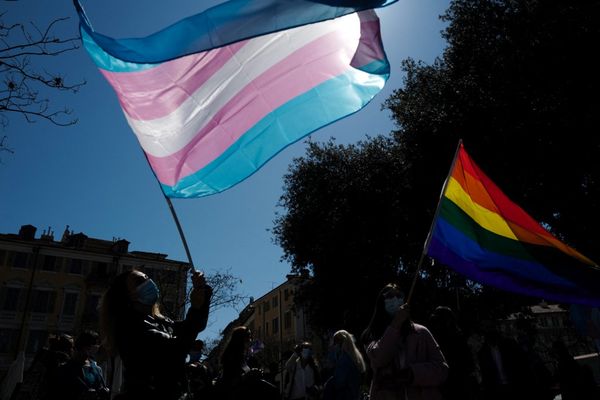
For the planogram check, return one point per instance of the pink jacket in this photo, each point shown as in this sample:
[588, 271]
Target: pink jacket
[420, 352]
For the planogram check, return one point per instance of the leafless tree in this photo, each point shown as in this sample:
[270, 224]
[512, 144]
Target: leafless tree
[223, 283]
[225, 293]
[25, 85]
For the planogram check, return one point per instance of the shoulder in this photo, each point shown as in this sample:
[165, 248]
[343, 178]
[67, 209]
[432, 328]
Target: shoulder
[421, 331]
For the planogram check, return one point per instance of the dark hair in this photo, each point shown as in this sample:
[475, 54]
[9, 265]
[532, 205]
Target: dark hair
[86, 338]
[115, 307]
[380, 318]
[198, 345]
[62, 342]
[233, 354]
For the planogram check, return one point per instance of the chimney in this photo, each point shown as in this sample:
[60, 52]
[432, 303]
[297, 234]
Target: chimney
[120, 246]
[65, 235]
[27, 232]
[48, 236]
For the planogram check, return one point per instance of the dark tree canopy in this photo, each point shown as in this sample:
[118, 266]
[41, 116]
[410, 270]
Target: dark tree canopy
[517, 84]
[345, 222]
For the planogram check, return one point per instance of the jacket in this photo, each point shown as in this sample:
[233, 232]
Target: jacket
[417, 351]
[154, 351]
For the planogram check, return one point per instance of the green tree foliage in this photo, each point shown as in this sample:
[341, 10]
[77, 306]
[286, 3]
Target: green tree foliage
[345, 222]
[517, 84]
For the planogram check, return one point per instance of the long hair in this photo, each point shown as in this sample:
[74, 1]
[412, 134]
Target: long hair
[380, 318]
[115, 307]
[233, 354]
[349, 346]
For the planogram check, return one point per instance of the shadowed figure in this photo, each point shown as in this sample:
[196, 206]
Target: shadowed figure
[405, 358]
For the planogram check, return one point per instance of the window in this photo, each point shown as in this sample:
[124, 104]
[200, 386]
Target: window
[10, 298]
[169, 277]
[287, 320]
[2, 257]
[20, 260]
[43, 301]
[266, 328]
[49, 263]
[102, 269]
[8, 340]
[286, 294]
[275, 326]
[275, 301]
[70, 303]
[266, 306]
[76, 266]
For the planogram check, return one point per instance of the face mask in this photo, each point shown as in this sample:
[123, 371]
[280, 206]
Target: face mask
[306, 353]
[392, 305]
[147, 292]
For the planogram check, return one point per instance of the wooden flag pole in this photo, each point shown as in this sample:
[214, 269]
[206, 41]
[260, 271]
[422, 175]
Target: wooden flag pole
[437, 211]
[175, 218]
[183, 240]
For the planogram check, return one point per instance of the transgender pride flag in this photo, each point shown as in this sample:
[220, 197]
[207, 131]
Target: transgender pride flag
[213, 97]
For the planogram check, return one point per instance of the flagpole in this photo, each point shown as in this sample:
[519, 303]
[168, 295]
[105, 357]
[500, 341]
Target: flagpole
[185, 245]
[174, 214]
[437, 211]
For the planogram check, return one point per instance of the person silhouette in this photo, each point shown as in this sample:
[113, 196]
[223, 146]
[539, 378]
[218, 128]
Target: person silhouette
[405, 358]
[153, 348]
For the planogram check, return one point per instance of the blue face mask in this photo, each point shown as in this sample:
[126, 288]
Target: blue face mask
[195, 356]
[306, 353]
[147, 292]
[392, 305]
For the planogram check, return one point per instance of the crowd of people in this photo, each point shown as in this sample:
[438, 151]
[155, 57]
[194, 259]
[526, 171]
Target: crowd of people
[394, 358]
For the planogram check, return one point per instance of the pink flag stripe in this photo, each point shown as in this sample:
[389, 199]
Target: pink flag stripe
[157, 136]
[370, 44]
[259, 54]
[181, 76]
[170, 134]
[315, 63]
[251, 60]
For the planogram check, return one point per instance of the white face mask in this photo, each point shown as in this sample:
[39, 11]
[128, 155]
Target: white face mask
[393, 304]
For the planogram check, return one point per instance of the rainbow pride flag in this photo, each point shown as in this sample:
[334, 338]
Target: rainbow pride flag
[214, 96]
[482, 234]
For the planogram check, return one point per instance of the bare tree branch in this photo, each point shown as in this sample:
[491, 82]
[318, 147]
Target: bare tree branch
[25, 85]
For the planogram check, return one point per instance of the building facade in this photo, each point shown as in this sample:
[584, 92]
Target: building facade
[277, 324]
[543, 324]
[49, 287]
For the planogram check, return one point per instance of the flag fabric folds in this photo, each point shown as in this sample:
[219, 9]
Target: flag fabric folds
[482, 234]
[213, 97]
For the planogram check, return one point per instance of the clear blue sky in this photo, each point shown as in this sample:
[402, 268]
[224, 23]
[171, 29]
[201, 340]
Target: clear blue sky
[93, 175]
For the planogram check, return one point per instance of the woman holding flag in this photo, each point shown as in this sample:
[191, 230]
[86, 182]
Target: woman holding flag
[153, 348]
[406, 361]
